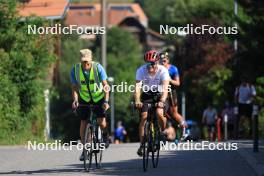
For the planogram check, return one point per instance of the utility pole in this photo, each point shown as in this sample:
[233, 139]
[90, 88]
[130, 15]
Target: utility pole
[104, 36]
[235, 12]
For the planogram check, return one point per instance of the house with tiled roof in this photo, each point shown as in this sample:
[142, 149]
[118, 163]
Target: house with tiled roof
[49, 9]
[129, 16]
[90, 14]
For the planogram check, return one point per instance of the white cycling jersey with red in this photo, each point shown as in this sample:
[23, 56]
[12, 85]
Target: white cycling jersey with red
[152, 82]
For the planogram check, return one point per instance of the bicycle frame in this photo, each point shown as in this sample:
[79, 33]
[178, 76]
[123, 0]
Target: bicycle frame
[151, 138]
[93, 136]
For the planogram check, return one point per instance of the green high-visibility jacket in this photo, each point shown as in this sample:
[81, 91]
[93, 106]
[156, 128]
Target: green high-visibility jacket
[89, 89]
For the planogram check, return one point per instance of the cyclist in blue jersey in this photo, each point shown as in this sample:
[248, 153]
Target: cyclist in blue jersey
[174, 83]
[120, 133]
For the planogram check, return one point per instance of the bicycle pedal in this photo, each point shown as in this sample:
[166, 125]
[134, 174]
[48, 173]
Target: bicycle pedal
[96, 151]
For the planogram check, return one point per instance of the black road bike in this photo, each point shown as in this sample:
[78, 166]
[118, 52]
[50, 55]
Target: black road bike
[93, 140]
[151, 138]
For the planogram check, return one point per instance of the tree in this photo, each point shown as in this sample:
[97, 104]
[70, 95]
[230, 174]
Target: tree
[65, 125]
[26, 60]
[124, 56]
[182, 12]
[248, 60]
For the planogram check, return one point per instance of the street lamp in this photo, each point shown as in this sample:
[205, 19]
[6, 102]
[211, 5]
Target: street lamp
[47, 110]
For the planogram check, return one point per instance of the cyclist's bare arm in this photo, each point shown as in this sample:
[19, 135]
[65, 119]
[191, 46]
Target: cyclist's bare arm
[74, 92]
[175, 81]
[165, 86]
[74, 95]
[137, 90]
[106, 91]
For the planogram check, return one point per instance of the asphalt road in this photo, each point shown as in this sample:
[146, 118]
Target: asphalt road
[122, 160]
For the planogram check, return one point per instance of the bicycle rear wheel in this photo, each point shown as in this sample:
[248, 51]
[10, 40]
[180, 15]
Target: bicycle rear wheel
[146, 142]
[87, 148]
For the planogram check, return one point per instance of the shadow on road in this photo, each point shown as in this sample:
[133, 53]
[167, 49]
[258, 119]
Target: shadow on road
[184, 163]
[124, 167]
[43, 171]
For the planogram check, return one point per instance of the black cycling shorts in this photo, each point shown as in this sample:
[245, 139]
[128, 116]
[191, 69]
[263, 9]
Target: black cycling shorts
[84, 112]
[172, 96]
[151, 97]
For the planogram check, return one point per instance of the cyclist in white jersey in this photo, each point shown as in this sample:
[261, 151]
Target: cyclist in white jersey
[153, 79]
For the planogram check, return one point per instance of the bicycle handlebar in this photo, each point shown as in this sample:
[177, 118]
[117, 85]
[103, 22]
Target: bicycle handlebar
[90, 105]
[150, 105]
[86, 105]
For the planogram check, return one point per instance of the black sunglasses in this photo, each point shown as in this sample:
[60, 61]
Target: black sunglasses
[151, 64]
[86, 62]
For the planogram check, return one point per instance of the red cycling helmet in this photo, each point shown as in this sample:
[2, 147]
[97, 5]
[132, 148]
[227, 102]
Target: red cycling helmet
[151, 56]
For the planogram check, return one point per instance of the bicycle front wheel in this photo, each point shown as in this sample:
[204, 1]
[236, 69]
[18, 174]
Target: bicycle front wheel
[155, 146]
[146, 142]
[87, 149]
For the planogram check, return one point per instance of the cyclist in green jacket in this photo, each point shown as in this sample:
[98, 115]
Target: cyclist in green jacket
[89, 86]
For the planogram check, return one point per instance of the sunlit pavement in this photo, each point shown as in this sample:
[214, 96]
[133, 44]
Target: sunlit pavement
[122, 160]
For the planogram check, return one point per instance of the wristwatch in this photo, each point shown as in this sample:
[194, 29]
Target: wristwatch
[106, 101]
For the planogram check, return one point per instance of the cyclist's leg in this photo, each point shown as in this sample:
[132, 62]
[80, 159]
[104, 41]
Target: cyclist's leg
[160, 114]
[82, 129]
[161, 118]
[84, 113]
[102, 123]
[208, 132]
[145, 98]
[173, 103]
[101, 120]
[212, 132]
[100, 115]
[143, 120]
[175, 114]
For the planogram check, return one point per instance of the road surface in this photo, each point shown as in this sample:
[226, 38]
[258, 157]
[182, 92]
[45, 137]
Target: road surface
[122, 160]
